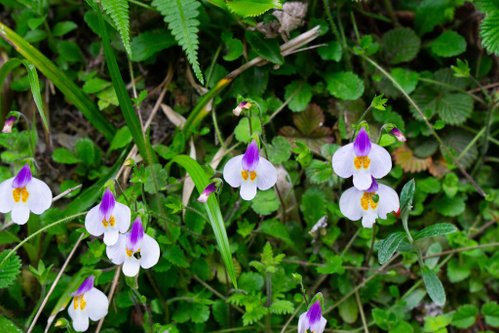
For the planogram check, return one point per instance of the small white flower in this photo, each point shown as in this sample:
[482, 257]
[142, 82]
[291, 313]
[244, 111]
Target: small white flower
[22, 194]
[109, 218]
[88, 303]
[203, 197]
[250, 171]
[134, 250]
[244, 105]
[312, 320]
[377, 201]
[362, 159]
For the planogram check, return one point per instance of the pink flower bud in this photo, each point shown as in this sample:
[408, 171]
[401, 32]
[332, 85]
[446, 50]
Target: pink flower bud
[398, 134]
[9, 123]
[244, 105]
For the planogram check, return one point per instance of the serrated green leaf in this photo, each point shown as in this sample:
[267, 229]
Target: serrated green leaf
[251, 281]
[389, 246]
[333, 265]
[276, 229]
[490, 311]
[465, 316]
[433, 286]
[265, 202]
[489, 32]
[406, 78]
[438, 229]
[299, 93]
[345, 85]
[118, 11]
[266, 48]
[400, 45]
[250, 8]
[282, 307]
[454, 108]
[10, 269]
[448, 44]
[279, 151]
[430, 13]
[182, 19]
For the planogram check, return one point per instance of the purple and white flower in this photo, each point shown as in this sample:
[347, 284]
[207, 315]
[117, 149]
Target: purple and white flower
[134, 250]
[398, 134]
[362, 159]
[203, 197]
[312, 320]
[375, 202]
[250, 171]
[244, 105]
[9, 123]
[88, 303]
[109, 218]
[22, 194]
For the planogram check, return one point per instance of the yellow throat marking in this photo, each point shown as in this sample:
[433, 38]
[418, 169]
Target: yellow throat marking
[20, 194]
[361, 162]
[111, 222]
[251, 174]
[79, 302]
[130, 252]
[367, 201]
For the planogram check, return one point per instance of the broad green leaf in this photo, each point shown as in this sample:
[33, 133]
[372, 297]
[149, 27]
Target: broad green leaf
[400, 45]
[345, 85]
[265, 202]
[266, 48]
[201, 180]
[331, 51]
[490, 311]
[7, 326]
[438, 229]
[430, 13]
[437, 324]
[234, 47]
[242, 130]
[64, 27]
[349, 311]
[64, 156]
[407, 79]
[450, 206]
[250, 281]
[276, 229]
[407, 196]
[279, 151]
[389, 246]
[9, 269]
[433, 286]
[122, 138]
[150, 43]
[448, 44]
[333, 265]
[69, 52]
[94, 85]
[454, 108]
[465, 316]
[489, 32]
[73, 94]
[250, 8]
[458, 271]
[299, 93]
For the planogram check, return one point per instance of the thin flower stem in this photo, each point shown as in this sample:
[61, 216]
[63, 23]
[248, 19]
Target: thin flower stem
[350, 242]
[283, 330]
[361, 311]
[36, 233]
[54, 284]
[371, 248]
[63, 194]
[114, 284]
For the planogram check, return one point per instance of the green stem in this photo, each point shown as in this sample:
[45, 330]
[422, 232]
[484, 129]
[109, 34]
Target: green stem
[451, 87]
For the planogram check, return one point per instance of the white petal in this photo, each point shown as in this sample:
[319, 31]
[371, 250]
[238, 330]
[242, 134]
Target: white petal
[388, 201]
[122, 216]
[381, 161]
[80, 319]
[117, 252]
[321, 326]
[303, 323]
[97, 304]
[111, 236]
[40, 196]
[350, 204]
[343, 161]
[232, 171]
[149, 252]
[6, 199]
[131, 266]
[20, 213]
[93, 222]
[369, 218]
[362, 179]
[266, 174]
[248, 190]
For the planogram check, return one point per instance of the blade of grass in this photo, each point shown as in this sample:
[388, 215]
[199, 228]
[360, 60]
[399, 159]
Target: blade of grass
[201, 180]
[72, 92]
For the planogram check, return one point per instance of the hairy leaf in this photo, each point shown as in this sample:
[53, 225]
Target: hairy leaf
[9, 269]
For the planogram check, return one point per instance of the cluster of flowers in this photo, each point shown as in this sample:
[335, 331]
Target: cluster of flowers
[24, 193]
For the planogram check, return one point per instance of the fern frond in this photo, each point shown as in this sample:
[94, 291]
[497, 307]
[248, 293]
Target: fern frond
[118, 11]
[489, 31]
[181, 16]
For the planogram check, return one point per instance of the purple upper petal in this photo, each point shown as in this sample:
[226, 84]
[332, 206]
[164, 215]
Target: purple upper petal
[362, 144]
[107, 204]
[22, 178]
[251, 157]
[135, 235]
[212, 187]
[314, 314]
[87, 284]
[7, 126]
[398, 134]
[374, 186]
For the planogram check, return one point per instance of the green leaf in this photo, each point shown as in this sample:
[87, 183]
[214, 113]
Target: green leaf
[458, 271]
[331, 51]
[430, 13]
[334, 265]
[63, 27]
[433, 286]
[299, 93]
[319, 172]
[118, 11]
[9, 269]
[437, 324]
[182, 19]
[448, 44]
[242, 130]
[490, 311]
[265, 202]
[450, 206]
[251, 8]
[176, 256]
[94, 85]
[465, 316]
[313, 205]
[276, 229]
[407, 196]
[251, 281]
[400, 45]
[389, 246]
[282, 307]
[69, 51]
[233, 46]
[201, 180]
[7, 326]
[489, 32]
[438, 229]
[345, 85]
[149, 43]
[266, 48]
[64, 156]
[454, 108]
[279, 151]
[406, 78]
[121, 139]
[349, 311]
[72, 93]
